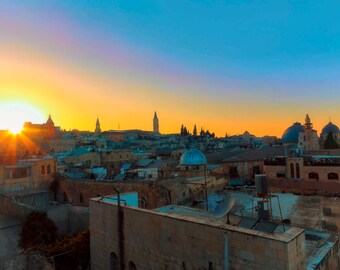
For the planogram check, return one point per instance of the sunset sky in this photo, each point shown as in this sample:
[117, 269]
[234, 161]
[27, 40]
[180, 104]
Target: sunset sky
[228, 66]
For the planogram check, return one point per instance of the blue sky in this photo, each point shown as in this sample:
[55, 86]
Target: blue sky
[251, 54]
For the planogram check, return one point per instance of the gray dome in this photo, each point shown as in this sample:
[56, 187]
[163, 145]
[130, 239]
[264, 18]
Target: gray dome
[291, 135]
[330, 127]
[193, 157]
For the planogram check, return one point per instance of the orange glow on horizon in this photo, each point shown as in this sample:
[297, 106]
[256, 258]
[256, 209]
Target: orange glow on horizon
[74, 96]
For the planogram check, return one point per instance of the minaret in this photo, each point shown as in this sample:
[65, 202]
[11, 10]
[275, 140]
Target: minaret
[155, 124]
[98, 130]
[308, 124]
[308, 140]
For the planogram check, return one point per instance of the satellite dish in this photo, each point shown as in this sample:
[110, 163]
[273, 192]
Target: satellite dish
[225, 206]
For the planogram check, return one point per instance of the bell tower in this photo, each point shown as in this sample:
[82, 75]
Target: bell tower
[155, 124]
[98, 130]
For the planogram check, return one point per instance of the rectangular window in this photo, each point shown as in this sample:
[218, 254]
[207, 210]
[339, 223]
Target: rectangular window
[43, 169]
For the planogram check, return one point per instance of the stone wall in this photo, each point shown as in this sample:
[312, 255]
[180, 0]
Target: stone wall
[311, 187]
[69, 219]
[161, 241]
[154, 193]
[80, 192]
[10, 207]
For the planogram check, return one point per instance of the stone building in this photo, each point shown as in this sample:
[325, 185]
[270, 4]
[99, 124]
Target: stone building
[308, 173]
[56, 145]
[306, 166]
[39, 131]
[193, 163]
[175, 237]
[308, 139]
[327, 129]
[31, 174]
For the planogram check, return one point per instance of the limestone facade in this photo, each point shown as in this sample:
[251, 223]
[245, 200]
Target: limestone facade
[27, 175]
[153, 240]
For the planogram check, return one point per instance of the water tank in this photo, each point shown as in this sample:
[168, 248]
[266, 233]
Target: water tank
[262, 183]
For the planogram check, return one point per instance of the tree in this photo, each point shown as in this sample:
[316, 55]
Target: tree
[330, 142]
[71, 252]
[194, 131]
[38, 229]
[185, 131]
[182, 130]
[202, 133]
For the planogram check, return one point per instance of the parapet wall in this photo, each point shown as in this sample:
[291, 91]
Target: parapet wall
[10, 207]
[153, 240]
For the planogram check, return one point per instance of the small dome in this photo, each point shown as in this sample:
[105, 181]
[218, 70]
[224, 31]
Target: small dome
[330, 127]
[291, 135]
[193, 157]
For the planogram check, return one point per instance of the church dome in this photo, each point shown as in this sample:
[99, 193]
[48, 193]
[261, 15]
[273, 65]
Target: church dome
[291, 135]
[193, 157]
[330, 127]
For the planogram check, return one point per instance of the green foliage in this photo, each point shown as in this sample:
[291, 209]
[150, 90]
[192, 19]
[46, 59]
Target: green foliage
[38, 229]
[70, 251]
[330, 142]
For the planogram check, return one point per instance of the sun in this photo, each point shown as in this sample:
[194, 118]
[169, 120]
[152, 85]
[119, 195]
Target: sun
[13, 115]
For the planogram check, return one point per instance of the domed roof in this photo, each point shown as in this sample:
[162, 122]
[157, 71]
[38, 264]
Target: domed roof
[193, 157]
[291, 135]
[330, 127]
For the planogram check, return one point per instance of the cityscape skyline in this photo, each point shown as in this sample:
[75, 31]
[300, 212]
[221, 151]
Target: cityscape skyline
[218, 65]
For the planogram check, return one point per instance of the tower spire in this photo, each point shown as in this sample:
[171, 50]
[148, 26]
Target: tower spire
[155, 124]
[98, 129]
[308, 124]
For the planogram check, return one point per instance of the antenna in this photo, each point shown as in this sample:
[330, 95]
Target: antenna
[225, 206]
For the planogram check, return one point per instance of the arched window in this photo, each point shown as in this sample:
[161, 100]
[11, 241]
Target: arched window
[113, 261]
[143, 202]
[132, 266]
[292, 175]
[43, 169]
[333, 176]
[81, 198]
[297, 168]
[48, 169]
[314, 175]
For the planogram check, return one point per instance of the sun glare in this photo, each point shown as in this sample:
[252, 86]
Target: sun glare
[14, 115]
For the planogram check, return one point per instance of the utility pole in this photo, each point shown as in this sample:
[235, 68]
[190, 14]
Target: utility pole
[120, 230]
